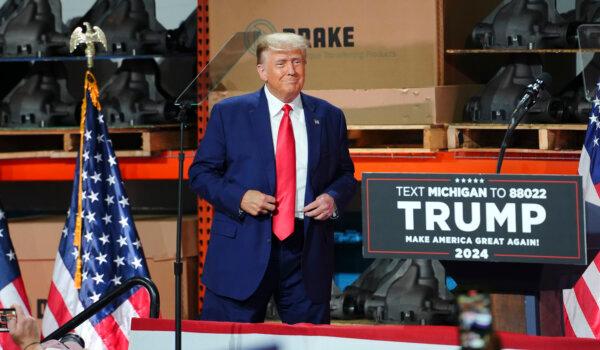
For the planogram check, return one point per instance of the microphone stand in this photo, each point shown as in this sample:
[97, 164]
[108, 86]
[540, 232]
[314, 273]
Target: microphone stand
[516, 116]
[220, 65]
[184, 107]
[177, 265]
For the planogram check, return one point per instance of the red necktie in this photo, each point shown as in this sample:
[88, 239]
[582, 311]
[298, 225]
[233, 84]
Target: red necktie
[285, 172]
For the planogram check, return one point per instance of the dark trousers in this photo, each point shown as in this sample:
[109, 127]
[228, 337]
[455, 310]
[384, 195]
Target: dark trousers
[282, 280]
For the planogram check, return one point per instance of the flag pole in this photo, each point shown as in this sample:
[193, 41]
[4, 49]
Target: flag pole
[88, 39]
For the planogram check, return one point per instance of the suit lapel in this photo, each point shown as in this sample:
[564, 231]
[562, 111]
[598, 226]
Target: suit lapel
[261, 124]
[314, 129]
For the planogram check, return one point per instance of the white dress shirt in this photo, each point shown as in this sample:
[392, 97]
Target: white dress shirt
[300, 140]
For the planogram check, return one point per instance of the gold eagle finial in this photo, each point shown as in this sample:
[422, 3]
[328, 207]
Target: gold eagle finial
[91, 36]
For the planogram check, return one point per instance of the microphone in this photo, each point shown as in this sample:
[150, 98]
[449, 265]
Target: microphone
[532, 91]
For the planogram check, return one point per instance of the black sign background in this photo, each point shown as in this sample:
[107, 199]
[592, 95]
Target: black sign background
[559, 239]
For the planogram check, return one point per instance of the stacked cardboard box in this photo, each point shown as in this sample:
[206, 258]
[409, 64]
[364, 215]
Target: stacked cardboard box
[378, 61]
[36, 245]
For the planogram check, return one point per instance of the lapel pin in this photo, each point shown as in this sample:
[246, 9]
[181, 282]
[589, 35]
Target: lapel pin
[316, 121]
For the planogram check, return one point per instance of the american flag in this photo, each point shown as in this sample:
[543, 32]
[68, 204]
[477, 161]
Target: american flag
[110, 251]
[12, 290]
[581, 303]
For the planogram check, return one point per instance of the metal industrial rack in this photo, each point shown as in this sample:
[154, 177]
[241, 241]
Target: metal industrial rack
[163, 166]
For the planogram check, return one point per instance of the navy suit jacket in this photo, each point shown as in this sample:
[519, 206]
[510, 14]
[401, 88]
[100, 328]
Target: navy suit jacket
[237, 155]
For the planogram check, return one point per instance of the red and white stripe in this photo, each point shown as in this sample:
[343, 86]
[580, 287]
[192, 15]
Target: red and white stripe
[590, 191]
[581, 308]
[581, 311]
[111, 333]
[157, 334]
[12, 294]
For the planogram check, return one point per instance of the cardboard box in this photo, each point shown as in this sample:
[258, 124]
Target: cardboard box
[36, 244]
[428, 105]
[356, 44]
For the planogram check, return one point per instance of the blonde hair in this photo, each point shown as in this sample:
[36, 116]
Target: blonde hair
[279, 42]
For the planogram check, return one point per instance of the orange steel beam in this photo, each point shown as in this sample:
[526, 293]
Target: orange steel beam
[164, 165]
[467, 162]
[160, 167]
[205, 212]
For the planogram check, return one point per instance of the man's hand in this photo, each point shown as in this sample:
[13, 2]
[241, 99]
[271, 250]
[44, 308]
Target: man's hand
[321, 208]
[255, 203]
[24, 330]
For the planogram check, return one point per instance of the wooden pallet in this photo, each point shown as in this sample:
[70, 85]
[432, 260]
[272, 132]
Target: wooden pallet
[64, 142]
[399, 138]
[545, 137]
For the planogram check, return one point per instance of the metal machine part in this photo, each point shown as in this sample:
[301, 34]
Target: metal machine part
[587, 11]
[40, 99]
[130, 26]
[574, 106]
[133, 95]
[502, 93]
[7, 9]
[183, 38]
[525, 24]
[398, 291]
[350, 303]
[33, 28]
[415, 294]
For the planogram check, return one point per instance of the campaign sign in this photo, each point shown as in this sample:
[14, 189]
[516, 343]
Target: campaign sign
[511, 218]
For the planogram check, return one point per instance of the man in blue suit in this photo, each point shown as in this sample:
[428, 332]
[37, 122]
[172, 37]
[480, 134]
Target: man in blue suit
[276, 168]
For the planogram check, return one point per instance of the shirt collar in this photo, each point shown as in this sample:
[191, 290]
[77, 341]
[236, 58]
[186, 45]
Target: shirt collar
[275, 104]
